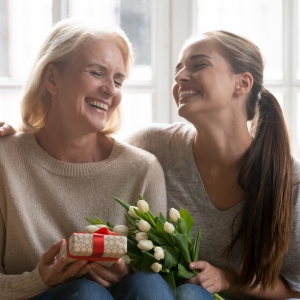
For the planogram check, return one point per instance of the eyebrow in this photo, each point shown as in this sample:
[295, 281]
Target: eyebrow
[104, 68]
[193, 57]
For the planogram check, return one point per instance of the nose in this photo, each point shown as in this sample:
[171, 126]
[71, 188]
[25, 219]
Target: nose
[182, 75]
[109, 87]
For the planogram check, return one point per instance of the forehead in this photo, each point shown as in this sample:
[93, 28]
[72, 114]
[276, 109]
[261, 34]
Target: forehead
[102, 52]
[202, 45]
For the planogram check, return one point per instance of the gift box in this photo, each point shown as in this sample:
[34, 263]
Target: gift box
[102, 246]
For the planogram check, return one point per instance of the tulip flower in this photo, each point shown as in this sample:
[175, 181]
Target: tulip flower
[156, 267]
[121, 230]
[144, 226]
[132, 212]
[159, 253]
[141, 236]
[174, 215]
[93, 228]
[169, 228]
[145, 245]
[143, 206]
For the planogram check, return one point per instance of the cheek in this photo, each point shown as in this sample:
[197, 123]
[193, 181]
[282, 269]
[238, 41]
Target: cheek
[175, 88]
[117, 99]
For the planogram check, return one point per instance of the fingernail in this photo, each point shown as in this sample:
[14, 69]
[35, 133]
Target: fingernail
[192, 265]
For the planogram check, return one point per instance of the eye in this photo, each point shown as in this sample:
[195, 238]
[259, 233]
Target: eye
[200, 66]
[117, 83]
[95, 73]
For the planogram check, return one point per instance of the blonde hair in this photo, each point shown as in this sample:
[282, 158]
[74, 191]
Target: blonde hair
[63, 43]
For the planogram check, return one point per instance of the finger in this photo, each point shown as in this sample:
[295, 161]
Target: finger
[75, 268]
[49, 256]
[119, 268]
[83, 271]
[95, 276]
[198, 265]
[6, 129]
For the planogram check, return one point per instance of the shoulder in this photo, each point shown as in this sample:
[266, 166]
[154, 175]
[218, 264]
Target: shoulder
[13, 141]
[134, 156]
[159, 135]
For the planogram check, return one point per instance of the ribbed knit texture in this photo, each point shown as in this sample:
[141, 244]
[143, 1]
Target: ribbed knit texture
[43, 200]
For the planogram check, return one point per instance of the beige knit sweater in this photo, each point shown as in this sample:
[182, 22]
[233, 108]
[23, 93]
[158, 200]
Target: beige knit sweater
[43, 200]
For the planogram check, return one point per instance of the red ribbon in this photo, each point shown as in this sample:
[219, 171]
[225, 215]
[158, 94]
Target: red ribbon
[98, 246]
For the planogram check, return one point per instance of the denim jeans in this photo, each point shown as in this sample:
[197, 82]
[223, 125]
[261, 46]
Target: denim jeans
[138, 286]
[192, 292]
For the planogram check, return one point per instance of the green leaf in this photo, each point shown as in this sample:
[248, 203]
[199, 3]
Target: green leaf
[95, 222]
[131, 221]
[195, 252]
[162, 217]
[160, 228]
[156, 237]
[145, 217]
[123, 203]
[171, 257]
[110, 226]
[141, 197]
[184, 273]
[182, 227]
[146, 262]
[189, 221]
[169, 279]
[132, 248]
[182, 244]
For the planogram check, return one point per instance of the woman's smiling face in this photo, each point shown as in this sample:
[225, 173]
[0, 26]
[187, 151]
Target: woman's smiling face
[90, 90]
[204, 82]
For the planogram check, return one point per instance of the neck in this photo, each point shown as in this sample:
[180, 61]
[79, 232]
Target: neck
[221, 145]
[74, 148]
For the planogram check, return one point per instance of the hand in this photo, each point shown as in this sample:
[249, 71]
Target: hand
[6, 129]
[53, 270]
[212, 278]
[108, 277]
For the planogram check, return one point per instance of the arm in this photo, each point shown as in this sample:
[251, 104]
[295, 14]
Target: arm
[6, 129]
[217, 280]
[49, 272]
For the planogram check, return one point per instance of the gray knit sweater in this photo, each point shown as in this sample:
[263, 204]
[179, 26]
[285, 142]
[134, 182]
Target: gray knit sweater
[43, 200]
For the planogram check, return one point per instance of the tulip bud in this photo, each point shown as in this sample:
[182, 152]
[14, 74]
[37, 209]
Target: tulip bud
[156, 267]
[93, 228]
[132, 212]
[174, 215]
[144, 226]
[143, 206]
[141, 236]
[159, 253]
[121, 230]
[168, 227]
[145, 245]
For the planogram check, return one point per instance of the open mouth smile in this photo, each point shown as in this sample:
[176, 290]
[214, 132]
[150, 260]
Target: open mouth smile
[97, 104]
[186, 93]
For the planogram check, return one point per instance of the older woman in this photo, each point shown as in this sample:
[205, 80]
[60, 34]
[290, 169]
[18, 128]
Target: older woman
[64, 166]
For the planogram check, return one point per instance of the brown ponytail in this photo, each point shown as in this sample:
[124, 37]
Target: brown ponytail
[266, 175]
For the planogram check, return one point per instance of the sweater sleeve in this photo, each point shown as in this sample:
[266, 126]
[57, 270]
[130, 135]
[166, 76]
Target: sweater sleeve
[17, 287]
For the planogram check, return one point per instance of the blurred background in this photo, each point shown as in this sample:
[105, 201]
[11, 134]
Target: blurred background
[157, 29]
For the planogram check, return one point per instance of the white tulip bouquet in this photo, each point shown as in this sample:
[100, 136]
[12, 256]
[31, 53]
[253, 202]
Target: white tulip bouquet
[155, 244]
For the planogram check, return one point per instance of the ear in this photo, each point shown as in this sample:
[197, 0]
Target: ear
[244, 84]
[49, 78]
